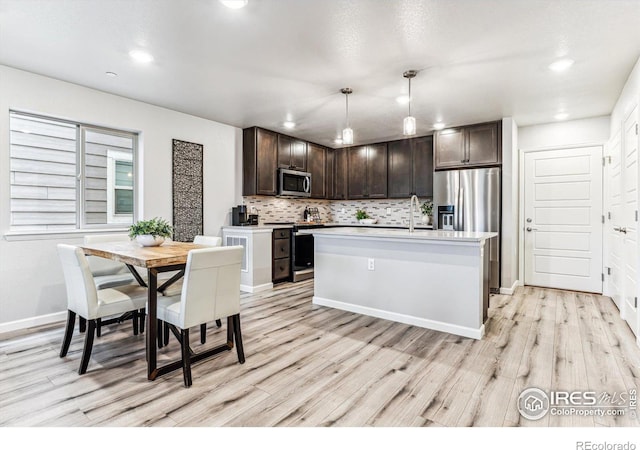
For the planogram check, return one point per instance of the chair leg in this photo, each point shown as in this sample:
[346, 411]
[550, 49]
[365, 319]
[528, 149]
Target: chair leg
[166, 333]
[159, 329]
[68, 332]
[98, 327]
[218, 323]
[143, 316]
[186, 358]
[230, 332]
[203, 333]
[135, 322]
[88, 346]
[238, 335]
[83, 324]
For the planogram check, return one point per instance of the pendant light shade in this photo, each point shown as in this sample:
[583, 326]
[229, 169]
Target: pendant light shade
[347, 132]
[409, 124]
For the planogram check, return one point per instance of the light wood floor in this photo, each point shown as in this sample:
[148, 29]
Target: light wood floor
[315, 366]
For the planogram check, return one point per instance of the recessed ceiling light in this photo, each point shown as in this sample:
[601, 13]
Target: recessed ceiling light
[403, 99]
[561, 65]
[141, 56]
[438, 126]
[111, 74]
[561, 116]
[338, 141]
[234, 4]
[289, 124]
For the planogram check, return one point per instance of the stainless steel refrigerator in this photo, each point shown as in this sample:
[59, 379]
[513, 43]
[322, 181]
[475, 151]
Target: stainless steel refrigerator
[469, 200]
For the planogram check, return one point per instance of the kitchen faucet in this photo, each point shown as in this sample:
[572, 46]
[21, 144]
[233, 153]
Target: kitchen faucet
[411, 211]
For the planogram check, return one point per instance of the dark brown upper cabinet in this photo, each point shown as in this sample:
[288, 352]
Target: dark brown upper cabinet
[259, 162]
[292, 153]
[470, 146]
[367, 175]
[411, 167]
[337, 172]
[317, 166]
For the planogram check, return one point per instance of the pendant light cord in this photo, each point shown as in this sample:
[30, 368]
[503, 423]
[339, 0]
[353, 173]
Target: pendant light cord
[409, 97]
[347, 98]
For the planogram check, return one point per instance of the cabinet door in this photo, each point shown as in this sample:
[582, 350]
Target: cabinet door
[341, 174]
[449, 148]
[284, 151]
[482, 142]
[422, 166]
[329, 174]
[357, 175]
[298, 151]
[376, 171]
[317, 158]
[400, 168]
[266, 160]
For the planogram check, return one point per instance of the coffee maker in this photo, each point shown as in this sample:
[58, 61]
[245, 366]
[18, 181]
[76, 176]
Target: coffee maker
[240, 216]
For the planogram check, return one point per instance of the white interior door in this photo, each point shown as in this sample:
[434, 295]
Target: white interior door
[563, 218]
[614, 255]
[629, 223]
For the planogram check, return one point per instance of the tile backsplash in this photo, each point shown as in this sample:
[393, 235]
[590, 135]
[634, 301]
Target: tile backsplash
[273, 209]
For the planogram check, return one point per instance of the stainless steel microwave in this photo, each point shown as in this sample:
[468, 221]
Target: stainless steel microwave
[293, 183]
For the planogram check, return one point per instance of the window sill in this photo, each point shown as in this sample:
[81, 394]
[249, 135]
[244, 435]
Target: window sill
[58, 234]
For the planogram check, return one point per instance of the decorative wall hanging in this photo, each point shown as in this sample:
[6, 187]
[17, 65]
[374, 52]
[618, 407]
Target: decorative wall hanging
[187, 191]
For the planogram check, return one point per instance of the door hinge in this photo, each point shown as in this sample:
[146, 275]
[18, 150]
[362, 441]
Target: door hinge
[609, 215]
[636, 129]
[636, 215]
[608, 270]
[635, 302]
[602, 276]
[603, 161]
[603, 218]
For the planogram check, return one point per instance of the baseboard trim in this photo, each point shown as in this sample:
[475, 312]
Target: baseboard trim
[255, 289]
[31, 322]
[402, 318]
[512, 289]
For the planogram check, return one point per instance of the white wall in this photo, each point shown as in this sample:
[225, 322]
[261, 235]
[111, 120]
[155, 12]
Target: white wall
[31, 282]
[510, 188]
[594, 130]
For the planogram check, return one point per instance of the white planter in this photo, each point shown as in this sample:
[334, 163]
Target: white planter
[148, 240]
[426, 220]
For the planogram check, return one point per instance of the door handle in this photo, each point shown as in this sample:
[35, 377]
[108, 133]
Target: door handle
[529, 229]
[620, 229]
[461, 214]
[306, 184]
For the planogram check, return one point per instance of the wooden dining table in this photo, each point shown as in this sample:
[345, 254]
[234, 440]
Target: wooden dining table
[168, 257]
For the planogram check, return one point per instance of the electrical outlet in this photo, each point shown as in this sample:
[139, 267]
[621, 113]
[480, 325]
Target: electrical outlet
[371, 264]
[388, 211]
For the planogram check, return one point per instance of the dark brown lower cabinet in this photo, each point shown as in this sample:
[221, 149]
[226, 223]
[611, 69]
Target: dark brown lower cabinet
[281, 251]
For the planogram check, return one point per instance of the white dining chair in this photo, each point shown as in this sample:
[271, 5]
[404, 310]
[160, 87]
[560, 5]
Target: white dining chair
[90, 303]
[176, 288]
[108, 273]
[210, 291]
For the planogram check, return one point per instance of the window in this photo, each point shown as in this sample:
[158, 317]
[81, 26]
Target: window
[68, 175]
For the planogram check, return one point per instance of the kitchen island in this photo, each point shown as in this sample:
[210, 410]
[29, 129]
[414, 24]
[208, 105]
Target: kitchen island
[432, 279]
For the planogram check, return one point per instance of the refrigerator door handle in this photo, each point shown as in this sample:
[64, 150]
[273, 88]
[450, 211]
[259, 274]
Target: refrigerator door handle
[460, 224]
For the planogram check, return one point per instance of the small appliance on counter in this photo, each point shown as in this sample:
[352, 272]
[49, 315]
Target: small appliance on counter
[240, 217]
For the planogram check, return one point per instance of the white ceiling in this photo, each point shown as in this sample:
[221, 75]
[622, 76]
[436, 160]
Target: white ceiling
[479, 60]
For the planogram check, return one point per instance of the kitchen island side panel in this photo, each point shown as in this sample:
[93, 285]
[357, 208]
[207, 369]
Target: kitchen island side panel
[436, 285]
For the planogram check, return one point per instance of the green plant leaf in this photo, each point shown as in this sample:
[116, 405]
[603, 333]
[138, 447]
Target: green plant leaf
[155, 227]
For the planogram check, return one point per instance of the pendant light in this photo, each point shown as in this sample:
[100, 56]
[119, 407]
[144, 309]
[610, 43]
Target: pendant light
[409, 124]
[347, 133]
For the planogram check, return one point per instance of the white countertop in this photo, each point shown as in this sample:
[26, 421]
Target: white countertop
[421, 235]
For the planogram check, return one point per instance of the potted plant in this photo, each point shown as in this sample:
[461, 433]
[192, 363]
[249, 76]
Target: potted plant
[427, 210]
[363, 217]
[150, 233]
